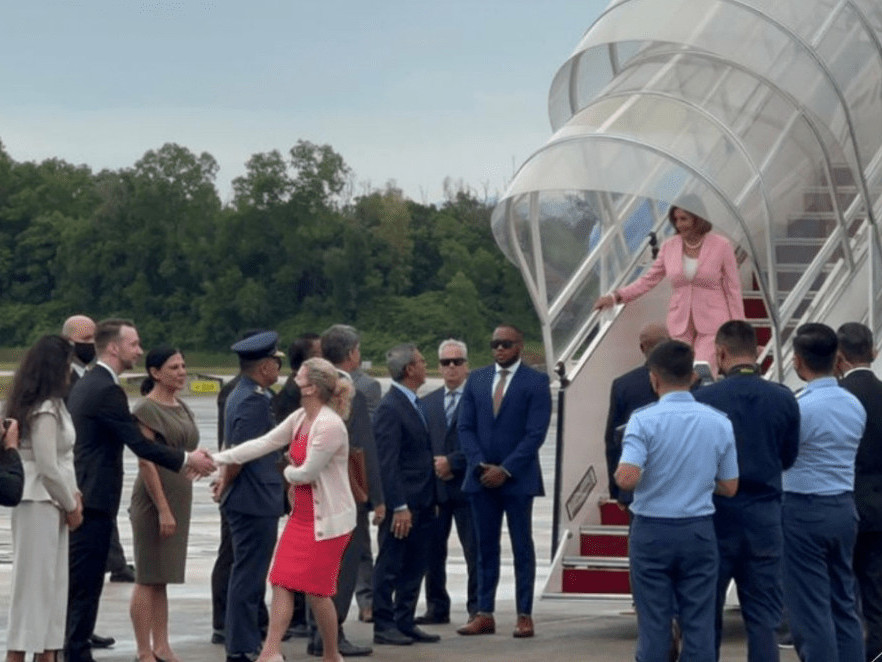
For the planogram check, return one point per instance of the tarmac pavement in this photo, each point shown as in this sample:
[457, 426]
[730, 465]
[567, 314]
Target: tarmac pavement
[565, 630]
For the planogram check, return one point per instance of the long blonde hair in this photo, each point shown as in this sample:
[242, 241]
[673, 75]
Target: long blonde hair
[334, 387]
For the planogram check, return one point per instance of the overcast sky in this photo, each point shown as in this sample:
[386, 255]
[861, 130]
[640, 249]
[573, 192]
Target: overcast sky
[406, 90]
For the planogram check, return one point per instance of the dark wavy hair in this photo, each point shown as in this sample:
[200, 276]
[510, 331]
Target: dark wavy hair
[43, 373]
[156, 358]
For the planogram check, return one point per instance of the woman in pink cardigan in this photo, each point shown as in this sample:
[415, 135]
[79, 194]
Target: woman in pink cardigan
[323, 513]
[704, 275]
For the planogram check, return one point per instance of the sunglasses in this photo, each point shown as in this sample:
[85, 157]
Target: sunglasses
[448, 362]
[505, 344]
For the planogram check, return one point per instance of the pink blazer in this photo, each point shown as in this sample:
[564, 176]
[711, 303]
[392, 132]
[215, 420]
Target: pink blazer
[711, 298]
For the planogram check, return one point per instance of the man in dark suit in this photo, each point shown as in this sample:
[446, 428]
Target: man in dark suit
[348, 342]
[251, 495]
[80, 332]
[856, 354]
[405, 453]
[503, 419]
[339, 345]
[104, 425]
[628, 393]
[442, 408]
[287, 400]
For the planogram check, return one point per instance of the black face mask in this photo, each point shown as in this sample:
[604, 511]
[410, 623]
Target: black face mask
[84, 351]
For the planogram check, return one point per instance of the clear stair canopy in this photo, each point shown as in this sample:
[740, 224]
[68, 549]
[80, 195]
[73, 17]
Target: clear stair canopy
[763, 117]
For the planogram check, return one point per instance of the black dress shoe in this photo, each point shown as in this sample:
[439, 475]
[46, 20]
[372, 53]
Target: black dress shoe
[420, 636]
[97, 641]
[125, 575]
[344, 646]
[392, 638]
[432, 619]
[348, 649]
[218, 637]
[315, 647]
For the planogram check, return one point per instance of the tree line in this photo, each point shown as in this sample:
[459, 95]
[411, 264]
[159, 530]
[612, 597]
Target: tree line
[292, 250]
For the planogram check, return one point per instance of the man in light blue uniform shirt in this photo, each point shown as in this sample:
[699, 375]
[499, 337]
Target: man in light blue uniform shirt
[819, 516]
[676, 453]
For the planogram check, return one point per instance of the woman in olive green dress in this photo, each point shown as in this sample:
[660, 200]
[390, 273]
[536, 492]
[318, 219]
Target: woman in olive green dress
[161, 502]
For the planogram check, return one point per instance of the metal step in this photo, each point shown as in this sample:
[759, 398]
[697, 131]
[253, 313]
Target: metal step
[801, 250]
[605, 529]
[613, 562]
[789, 275]
[614, 598]
[809, 224]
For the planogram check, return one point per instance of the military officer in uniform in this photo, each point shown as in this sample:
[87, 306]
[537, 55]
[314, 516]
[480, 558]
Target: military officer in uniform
[251, 495]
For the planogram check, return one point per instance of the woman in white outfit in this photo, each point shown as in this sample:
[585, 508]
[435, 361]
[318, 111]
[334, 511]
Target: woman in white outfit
[51, 505]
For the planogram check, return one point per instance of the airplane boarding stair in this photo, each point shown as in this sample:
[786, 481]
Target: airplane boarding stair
[768, 113]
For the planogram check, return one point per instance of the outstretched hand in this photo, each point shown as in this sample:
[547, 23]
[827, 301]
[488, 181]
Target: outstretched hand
[200, 463]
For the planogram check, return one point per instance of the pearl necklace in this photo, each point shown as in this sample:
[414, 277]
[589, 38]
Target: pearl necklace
[693, 247]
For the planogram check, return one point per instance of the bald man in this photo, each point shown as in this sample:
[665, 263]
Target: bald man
[80, 331]
[628, 393]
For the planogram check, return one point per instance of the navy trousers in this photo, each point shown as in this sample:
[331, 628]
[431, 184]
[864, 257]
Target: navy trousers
[868, 573]
[401, 563]
[437, 598]
[253, 539]
[674, 561]
[750, 542]
[89, 546]
[819, 590]
[220, 582]
[488, 507]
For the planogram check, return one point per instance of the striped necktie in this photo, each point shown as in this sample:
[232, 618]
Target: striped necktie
[451, 406]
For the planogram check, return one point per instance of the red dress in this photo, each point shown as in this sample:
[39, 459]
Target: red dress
[302, 563]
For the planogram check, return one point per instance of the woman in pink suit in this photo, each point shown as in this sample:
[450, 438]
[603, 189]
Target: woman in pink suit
[704, 275]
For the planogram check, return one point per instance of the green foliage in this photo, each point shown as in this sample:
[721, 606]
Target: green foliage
[154, 243]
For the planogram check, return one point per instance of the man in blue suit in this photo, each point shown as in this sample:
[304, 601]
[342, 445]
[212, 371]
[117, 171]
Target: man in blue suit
[405, 453]
[503, 420]
[252, 498]
[628, 393]
[441, 407]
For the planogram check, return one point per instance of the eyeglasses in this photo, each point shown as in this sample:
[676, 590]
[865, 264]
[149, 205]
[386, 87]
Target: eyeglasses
[505, 344]
[448, 362]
